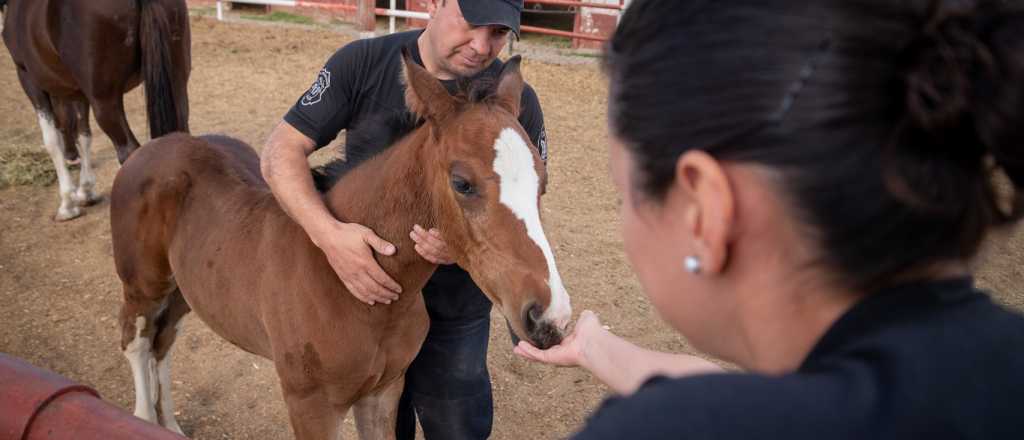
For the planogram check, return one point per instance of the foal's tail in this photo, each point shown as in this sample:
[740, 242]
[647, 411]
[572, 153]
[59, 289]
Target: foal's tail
[166, 89]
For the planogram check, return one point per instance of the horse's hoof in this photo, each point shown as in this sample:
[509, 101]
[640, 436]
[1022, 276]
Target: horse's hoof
[64, 215]
[87, 199]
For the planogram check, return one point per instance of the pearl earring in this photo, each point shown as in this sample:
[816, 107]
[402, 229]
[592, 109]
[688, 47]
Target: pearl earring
[692, 264]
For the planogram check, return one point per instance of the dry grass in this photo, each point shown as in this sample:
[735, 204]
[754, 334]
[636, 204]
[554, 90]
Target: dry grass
[22, 165]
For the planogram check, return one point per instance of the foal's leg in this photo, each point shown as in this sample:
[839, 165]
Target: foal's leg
[312, 416]
[85, 196]
[376, 414]
[141, 313]
[168, 327]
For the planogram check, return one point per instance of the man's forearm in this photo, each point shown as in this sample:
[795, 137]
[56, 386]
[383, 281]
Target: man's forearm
[287, 172]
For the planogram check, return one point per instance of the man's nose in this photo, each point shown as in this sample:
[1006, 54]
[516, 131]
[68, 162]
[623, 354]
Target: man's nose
[481, 43]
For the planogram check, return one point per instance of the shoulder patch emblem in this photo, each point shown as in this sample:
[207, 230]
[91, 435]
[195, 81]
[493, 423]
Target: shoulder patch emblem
[542, 145]
[316, 91]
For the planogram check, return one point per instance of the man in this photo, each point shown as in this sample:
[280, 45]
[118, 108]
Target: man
[448, 385]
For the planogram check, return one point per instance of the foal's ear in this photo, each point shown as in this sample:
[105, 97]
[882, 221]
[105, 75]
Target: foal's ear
[424, 94]
[510, 85]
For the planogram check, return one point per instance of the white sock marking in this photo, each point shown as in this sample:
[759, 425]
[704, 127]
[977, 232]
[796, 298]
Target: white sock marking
[140, 356]
[53, 142]
[519, 188]
[163, 369]
[86, 177]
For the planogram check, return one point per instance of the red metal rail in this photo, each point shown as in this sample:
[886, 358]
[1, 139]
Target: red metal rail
[534, 29]
[581, 4]
[36, 404]
[558, 33]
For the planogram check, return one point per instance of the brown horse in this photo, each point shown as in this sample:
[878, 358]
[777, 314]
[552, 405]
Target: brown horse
[196, 228]
[76, 54]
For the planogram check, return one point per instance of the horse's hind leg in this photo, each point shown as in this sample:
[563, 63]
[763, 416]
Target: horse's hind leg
[168, 326]
[54, 144]
[145, 308]
[85, 194]
[377, 414]
[110, 115]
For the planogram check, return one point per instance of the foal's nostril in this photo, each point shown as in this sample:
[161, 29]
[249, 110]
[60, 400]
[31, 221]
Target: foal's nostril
[532, 318]
[543, 334]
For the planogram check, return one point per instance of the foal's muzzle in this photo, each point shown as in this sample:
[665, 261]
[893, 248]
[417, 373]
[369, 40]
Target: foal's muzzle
[542, 333]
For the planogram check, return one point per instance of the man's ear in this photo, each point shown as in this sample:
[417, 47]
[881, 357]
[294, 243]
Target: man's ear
[706, 205]
[510, 85]
[424, 94]
[432, 7]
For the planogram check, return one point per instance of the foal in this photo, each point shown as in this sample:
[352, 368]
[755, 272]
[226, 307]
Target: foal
[196, 228]
[75, 54]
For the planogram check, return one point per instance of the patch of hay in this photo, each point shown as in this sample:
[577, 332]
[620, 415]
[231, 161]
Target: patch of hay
[25, 166]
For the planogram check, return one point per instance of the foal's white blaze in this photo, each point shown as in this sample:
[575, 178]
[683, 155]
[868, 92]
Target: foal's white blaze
[140, 356]
[518, 191]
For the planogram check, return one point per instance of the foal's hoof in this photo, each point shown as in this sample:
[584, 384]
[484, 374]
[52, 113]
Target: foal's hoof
[64, 215]
[174, 427]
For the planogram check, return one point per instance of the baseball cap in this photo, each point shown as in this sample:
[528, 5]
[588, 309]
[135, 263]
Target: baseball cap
[487, 12]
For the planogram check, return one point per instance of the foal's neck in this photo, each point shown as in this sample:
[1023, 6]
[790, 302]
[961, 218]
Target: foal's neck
[389, 193]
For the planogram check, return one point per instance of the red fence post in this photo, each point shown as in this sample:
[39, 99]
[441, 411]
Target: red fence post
[418, 6]
[366, 20]
[598, 22]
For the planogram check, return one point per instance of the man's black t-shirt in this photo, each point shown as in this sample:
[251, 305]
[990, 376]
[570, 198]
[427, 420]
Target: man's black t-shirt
[927, 361]
[361, 85]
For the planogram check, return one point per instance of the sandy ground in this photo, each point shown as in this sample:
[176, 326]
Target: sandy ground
[59, 294]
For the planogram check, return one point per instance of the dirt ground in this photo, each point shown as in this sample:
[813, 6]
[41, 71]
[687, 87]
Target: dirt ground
[59, 294]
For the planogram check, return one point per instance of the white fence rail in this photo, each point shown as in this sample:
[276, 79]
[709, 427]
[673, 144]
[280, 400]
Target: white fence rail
[392, 12]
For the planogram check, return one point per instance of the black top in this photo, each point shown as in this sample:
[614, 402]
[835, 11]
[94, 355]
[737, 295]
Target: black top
[360, 89]
[925, 361]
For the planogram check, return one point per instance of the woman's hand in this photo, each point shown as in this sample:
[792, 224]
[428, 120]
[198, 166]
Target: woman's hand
[574, 349]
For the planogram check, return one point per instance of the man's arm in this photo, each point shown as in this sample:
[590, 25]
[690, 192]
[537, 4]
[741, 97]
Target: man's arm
[532, 119]
[346, 245]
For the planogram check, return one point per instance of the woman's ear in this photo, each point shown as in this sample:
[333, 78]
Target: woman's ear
[703, 196]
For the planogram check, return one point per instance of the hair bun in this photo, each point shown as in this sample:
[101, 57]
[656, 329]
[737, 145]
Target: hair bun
[965, 85]
[947, 60]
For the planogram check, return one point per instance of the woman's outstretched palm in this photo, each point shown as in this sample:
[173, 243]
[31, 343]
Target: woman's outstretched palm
[573, 349]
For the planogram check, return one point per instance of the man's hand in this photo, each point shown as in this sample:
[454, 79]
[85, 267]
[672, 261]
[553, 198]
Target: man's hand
[430, 245]
[349, 248]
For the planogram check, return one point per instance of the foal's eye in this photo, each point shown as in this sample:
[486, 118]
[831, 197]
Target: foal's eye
[462, 186]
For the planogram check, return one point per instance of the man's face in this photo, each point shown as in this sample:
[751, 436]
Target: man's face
[461, 48]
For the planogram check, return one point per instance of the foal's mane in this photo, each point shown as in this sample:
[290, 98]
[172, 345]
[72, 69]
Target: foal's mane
[391, 127]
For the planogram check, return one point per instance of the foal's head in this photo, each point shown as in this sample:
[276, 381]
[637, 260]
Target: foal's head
[487, 178]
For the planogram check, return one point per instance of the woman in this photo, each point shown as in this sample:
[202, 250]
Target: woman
[803, 186]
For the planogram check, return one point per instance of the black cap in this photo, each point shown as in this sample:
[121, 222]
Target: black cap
[487, 12]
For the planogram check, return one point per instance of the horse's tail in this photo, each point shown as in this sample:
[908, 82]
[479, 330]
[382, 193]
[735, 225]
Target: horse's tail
[163, 105]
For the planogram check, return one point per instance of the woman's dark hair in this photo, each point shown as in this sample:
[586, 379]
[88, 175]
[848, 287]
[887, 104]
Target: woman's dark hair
[888, 120]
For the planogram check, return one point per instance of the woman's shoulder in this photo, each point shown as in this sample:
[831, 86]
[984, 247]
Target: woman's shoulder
[920, 363]
[725, 406]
